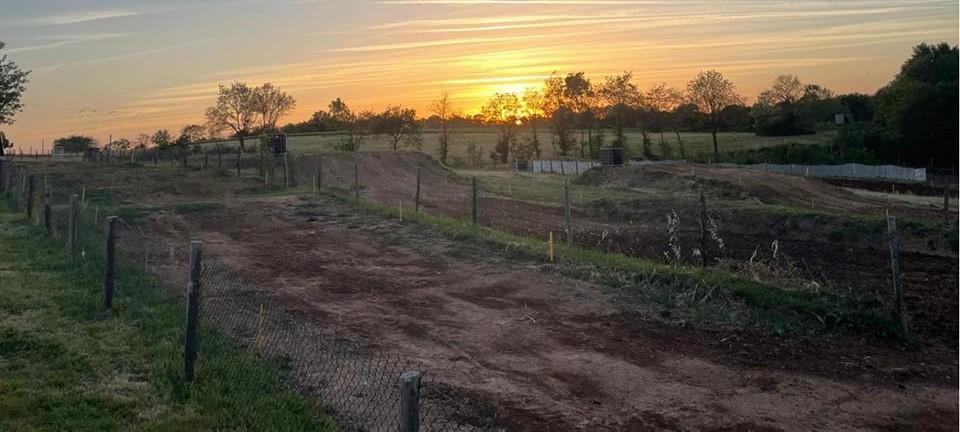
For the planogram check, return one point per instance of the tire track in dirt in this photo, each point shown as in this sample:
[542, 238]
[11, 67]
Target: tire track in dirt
[548, 353]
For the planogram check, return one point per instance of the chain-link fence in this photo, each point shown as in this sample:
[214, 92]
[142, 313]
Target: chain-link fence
[359, 387]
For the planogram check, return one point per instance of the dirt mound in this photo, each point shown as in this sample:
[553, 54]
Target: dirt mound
[737, 183]
[388, 176]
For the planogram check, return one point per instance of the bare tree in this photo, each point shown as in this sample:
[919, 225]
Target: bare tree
[503, 110]
[557, 107]
[711, 92]
[270, 104]
[142, 141]
[533, 110]
[660, 101]
[786, 89]
[235, 110]
[443, 109]
[621, 95]
[352, 126]
[192, 133]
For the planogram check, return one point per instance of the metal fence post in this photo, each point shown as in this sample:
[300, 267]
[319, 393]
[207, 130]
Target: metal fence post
[109, 282]
[72, 245]
[193, 311]
[286, 171]
[946, 203]
[474, 207]
[703, 229]
[416, 199]
[319, 173]
[410, 402]
[894, 242]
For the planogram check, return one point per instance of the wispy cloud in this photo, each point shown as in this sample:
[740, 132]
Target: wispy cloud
[64, 40]
[82, 16]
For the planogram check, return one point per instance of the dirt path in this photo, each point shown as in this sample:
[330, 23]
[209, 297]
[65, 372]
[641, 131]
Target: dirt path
[551, 353]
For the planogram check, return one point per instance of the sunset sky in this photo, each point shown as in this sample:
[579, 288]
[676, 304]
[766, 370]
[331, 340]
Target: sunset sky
[133, 66]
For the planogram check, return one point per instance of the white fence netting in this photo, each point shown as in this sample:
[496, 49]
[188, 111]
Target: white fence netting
[853, 170]
[567, 167]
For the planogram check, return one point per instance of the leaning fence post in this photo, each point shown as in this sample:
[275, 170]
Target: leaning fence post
[703, 229]
[894, 241]
[109, 281]
[474, 207]
[72, 228]
[416, 199]
[356, 179]
[193, 311]
[410, 402]
[567, 212]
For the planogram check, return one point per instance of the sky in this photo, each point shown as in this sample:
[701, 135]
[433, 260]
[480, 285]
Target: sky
[124, 67]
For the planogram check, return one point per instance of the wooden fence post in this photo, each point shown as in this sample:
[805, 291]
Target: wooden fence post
[703, 230]
[31, 179]
[894, 241]
[286, 170]
[356, 179]
[946, 202]
[410, 402]
[416, 198]
[72, 245]
[46, 213]
[193, 311]
[474, 200]
[109, 281]
[319, 174]
[567, 214]
[239, 155]
[260, 162]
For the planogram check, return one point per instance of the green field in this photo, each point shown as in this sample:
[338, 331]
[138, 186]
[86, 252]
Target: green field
[694, 142]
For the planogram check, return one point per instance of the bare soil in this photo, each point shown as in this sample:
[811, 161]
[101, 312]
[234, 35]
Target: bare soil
[552, 353]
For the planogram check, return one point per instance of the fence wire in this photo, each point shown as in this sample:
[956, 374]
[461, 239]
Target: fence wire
[359, 387]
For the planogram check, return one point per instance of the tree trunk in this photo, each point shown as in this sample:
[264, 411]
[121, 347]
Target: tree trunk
[716, 147]
[240, 136]
[683, 155]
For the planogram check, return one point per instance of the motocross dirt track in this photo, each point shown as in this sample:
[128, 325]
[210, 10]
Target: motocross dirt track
[551, 353]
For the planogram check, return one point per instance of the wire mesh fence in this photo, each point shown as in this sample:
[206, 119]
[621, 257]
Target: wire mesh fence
[359, 387]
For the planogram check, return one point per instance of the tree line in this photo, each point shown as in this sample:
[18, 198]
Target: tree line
[911, 120]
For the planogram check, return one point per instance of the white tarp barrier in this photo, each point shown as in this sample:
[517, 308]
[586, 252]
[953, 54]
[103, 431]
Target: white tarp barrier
[854, 170]
[567, 167]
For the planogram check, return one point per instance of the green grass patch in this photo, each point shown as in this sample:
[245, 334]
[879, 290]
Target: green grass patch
[66, 364]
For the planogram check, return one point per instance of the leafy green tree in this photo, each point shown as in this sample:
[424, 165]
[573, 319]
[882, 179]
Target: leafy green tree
[443, 109]
[13, 82]
[162, 139]
[270, 104]
[621, 95]
[918, 109]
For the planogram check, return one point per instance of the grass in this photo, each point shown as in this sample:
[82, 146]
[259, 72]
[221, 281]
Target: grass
[66, 364]
[675, 293]
[694, 142]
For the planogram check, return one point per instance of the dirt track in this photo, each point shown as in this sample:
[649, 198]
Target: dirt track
[551, 353]
[847, 258]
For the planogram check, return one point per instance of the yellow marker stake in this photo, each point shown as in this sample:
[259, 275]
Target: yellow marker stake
[401, 211]
[550, 246]
[96, 216]
[83, 196]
